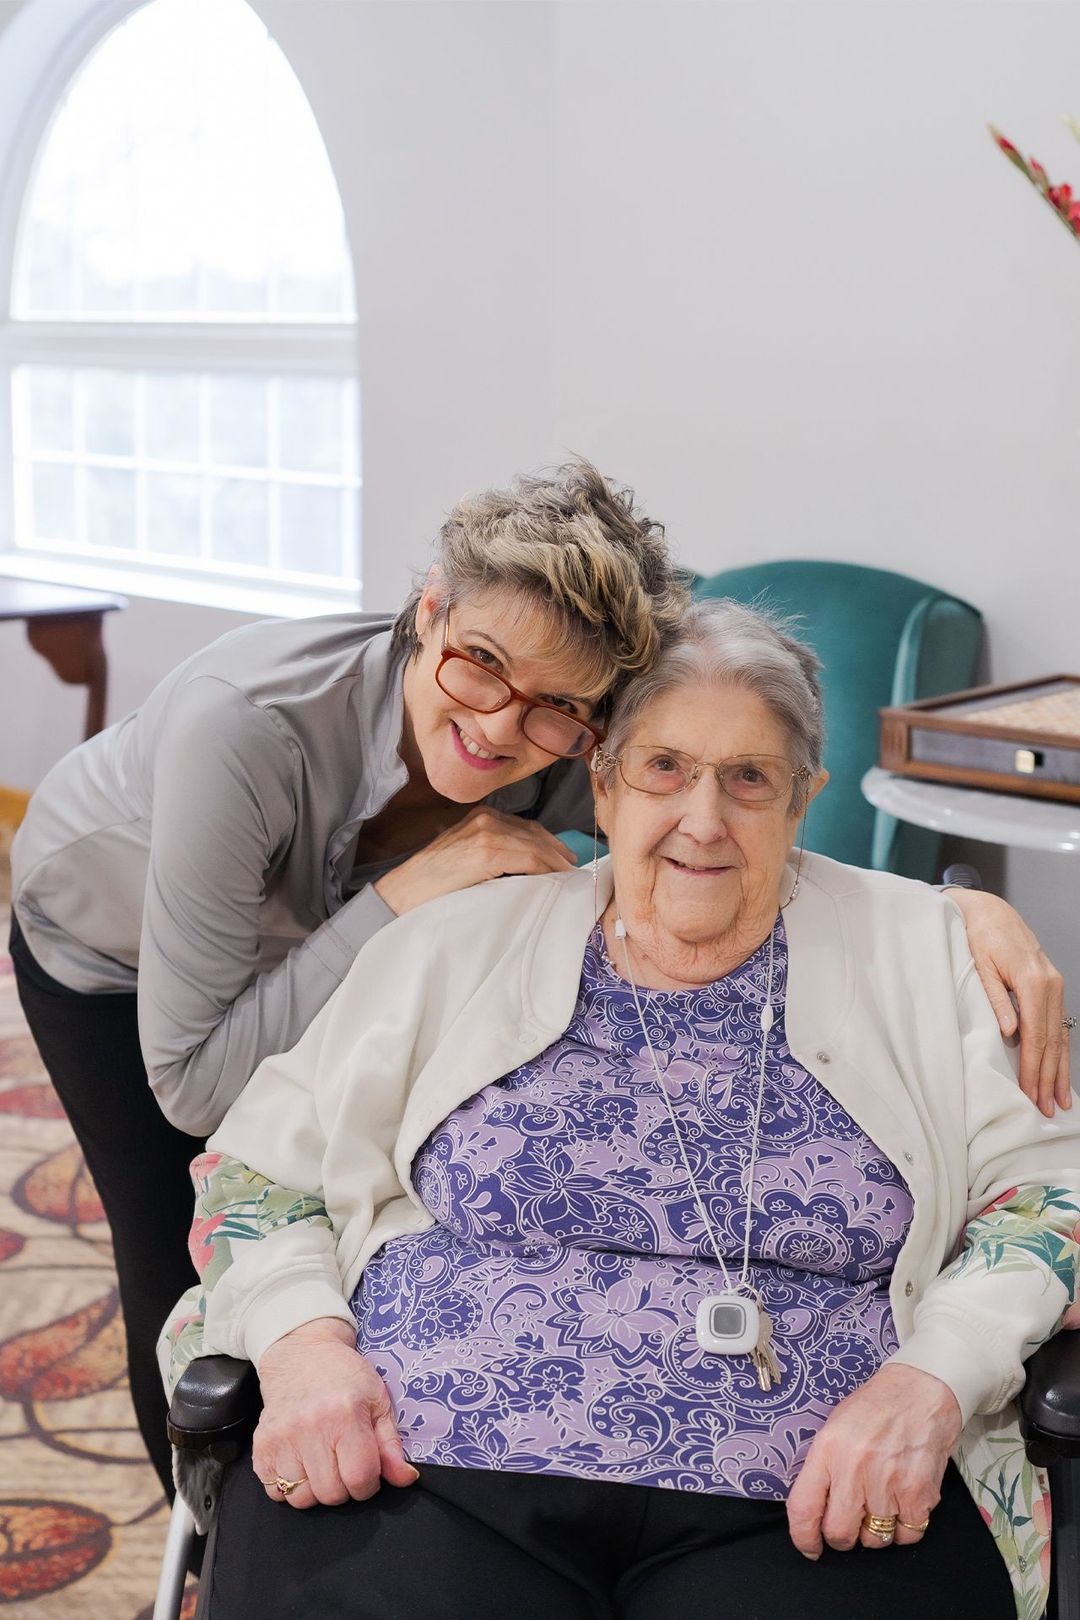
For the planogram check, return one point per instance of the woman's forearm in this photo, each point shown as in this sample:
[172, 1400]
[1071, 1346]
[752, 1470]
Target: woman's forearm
[1000, 1299]
[266, 1255]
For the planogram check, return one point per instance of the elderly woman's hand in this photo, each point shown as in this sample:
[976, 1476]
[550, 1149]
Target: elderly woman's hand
[1009, 957]
[327, 1422]
[883, 1451]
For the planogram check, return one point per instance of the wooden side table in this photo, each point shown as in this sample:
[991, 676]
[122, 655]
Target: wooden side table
[63, 624]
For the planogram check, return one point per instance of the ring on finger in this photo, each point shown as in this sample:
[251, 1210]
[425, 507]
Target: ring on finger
[284, 1487]
[917, 1528]
[1068, 1022]
[883, 1526]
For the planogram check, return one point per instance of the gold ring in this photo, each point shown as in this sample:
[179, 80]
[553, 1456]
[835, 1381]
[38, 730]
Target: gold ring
[287, 1485]
[882, 1527]
[918, 1528]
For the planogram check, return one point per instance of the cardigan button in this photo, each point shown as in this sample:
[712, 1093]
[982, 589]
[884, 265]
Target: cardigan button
[909, 1289]
[910, 1157]
[822, 1057]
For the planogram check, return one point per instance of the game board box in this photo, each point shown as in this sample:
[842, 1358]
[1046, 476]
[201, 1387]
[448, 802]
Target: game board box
[1019, 738]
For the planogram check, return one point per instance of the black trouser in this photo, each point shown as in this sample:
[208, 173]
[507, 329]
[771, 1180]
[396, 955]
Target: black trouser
[466, 1544]
[90, 1047]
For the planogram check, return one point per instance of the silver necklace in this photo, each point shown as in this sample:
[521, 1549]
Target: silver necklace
[733, 1321]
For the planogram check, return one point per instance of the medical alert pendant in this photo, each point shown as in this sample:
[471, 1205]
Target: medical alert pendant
[733, 1324]
[728, 1324]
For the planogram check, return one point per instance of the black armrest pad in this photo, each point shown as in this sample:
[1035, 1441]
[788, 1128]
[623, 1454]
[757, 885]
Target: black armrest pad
[1051, 1399]
[215, 1399]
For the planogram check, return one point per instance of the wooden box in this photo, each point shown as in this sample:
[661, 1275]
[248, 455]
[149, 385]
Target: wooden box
[1020, 738]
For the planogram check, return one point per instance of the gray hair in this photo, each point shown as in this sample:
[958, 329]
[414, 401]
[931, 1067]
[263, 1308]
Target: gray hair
[721, 643]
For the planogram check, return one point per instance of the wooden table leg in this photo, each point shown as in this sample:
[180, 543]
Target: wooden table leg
[73, 644]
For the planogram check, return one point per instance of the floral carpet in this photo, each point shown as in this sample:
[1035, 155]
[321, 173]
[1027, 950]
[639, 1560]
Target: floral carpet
[82, 1517]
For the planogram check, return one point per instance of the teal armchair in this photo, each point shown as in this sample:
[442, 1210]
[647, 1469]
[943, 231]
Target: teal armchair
[883, 639]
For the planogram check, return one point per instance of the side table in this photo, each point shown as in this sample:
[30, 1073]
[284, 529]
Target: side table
[993, 818]
[63, 624]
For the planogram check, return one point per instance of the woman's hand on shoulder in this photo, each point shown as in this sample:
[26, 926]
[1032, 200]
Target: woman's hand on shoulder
[883, 1451]
[326, 1422]
[1008, 957]
[484, 844]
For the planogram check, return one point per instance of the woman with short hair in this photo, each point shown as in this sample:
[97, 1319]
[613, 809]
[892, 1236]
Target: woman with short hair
[191, 885]
[665, 1229]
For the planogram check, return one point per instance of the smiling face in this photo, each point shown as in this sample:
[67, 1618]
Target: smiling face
[464, 755]
[698, 875]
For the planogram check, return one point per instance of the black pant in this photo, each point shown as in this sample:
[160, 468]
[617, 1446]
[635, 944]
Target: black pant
[465, 1544]
[90, 1047]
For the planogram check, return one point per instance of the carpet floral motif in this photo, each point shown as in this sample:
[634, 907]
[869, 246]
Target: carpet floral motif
[82, 1517]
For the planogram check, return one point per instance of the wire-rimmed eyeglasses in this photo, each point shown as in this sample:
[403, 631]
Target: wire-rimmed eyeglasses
[472, 684]
[746, 778]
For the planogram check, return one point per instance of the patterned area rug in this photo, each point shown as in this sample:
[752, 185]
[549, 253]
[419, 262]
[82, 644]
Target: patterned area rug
[82, 1518]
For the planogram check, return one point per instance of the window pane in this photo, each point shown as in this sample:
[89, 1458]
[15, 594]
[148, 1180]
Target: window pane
[239, 524]
[53, 487]
[108, 399]
[172, 417]
[110, 507]
[51, 408]
[47, 260]
[173, 521]
[176, 499]
[310, 529]
[310, 431]
[184, 176]
[238, 418]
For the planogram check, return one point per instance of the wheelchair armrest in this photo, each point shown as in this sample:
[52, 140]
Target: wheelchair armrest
[215, 1399]
[1050, 1403]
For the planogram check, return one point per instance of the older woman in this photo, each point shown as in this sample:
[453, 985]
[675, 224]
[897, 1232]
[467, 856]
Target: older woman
[666, 1229]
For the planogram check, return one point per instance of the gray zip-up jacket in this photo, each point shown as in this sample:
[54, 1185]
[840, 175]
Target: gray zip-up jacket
[201, 849]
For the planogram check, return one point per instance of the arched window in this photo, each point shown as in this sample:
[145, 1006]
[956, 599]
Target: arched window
[181, 335]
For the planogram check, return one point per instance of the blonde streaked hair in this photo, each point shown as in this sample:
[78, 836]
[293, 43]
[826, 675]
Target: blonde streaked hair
[573, 546]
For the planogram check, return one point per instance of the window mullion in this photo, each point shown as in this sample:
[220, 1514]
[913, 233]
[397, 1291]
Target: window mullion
[142, 546]
[78, 450]
[185, 346]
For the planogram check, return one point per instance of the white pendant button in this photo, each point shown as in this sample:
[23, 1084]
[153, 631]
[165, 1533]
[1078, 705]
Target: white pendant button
[727, 1324]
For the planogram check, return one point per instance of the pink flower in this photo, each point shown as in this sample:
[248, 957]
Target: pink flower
[200, 1241]
[1006, 146]
[1040, 1515]
[203, 1167]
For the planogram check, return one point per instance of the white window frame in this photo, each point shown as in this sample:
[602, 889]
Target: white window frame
[40, 52]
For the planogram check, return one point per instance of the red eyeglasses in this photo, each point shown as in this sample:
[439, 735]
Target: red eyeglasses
[478, 688]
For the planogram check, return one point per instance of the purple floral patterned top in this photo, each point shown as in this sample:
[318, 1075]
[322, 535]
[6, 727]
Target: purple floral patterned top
[546, 1322]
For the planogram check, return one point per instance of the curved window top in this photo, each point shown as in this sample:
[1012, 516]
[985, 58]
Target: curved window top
[183, 178]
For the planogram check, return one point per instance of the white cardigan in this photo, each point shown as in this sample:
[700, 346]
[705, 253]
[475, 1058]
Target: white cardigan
[883, 1007]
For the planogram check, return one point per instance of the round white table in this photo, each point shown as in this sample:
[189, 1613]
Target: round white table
[995, 818]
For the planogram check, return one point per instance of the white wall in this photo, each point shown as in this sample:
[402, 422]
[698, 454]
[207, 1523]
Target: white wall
[761, 261]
